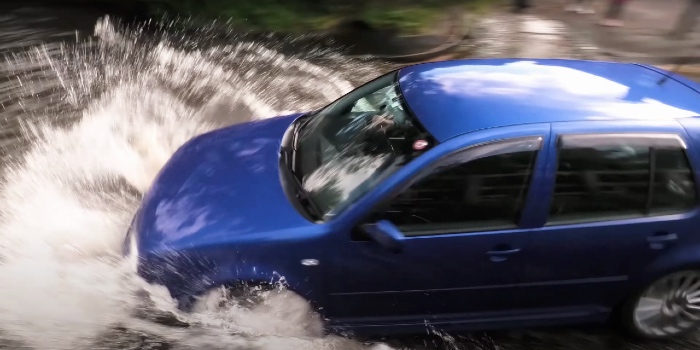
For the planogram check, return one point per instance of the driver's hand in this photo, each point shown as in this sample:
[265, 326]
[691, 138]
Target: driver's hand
[382, 121]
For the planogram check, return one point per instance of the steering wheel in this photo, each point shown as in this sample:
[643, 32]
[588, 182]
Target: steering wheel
[376, 138]
[364, 137]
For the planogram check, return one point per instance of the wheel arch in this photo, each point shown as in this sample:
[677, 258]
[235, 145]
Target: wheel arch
[244, 287]
[242, 277]
[679, 259]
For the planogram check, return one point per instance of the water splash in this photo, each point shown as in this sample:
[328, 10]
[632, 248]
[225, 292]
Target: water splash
[96, 121]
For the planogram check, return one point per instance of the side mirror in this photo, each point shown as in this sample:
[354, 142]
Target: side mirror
[386, 234]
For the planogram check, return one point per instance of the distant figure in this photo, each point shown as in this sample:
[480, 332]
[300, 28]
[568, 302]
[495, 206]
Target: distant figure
[584, 7]
[613, 17]
[687, 21]
[521, 5]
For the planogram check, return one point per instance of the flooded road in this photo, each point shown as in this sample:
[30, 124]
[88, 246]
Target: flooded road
[90, 111]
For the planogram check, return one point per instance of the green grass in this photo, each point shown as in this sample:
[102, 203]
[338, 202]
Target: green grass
[410, 20]
[296, 16]
[417, 17]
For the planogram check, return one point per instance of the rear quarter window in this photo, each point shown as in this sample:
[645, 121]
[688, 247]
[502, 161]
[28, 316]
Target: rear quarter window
[621, 176]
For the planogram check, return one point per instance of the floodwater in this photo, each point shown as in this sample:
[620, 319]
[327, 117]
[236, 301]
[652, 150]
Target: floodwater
[89, 112]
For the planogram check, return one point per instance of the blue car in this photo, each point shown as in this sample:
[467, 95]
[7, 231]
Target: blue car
[464, 195]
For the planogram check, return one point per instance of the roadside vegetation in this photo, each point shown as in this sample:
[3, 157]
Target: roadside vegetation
[297, 16]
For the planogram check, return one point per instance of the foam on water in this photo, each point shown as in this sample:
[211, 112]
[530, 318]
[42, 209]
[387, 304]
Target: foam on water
[101, 118]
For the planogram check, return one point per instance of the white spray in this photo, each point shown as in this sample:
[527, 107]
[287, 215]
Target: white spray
[66, 201]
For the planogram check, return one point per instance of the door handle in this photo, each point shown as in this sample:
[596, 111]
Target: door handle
[501, 254]
[656, 241]
[662, 237]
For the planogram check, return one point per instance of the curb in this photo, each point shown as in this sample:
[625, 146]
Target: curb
[446, 49]
[445, 45]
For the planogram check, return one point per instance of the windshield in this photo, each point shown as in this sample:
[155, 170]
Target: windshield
[351, 145]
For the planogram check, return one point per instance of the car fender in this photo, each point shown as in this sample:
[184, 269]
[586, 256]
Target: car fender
[302, 287]
[194, 272]
[261, 274]
[676, 259]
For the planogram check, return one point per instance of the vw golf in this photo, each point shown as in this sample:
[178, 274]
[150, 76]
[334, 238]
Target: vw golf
[466, 195]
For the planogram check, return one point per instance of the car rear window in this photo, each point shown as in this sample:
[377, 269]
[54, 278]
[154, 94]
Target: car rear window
[621, 177]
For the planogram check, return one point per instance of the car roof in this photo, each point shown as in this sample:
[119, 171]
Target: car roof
[451, 98]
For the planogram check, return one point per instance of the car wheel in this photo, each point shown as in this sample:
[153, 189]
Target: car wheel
[668, 307]
[242, 295]
[249, 295]
[262, 309]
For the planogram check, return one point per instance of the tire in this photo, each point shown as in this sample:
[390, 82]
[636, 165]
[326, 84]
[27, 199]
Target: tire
[667, 308]
[245, 295]
[263, 308]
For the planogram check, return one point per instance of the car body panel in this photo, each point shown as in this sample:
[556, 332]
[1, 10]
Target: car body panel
[434, 277]
[207, 218]
[237, 164]
[683, 255]
[218, 212]
[597, 263]
[455, 97]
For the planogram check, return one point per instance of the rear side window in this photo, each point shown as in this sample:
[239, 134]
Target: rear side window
[606, 177]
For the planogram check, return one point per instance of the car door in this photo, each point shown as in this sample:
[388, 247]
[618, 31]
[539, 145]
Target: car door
[461, 219]
[619, 196]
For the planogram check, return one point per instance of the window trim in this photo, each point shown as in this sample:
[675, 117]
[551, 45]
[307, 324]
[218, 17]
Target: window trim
[642, 139]
[461, 156]
[651, 140]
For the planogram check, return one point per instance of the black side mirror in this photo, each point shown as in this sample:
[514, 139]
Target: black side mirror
[386, 234]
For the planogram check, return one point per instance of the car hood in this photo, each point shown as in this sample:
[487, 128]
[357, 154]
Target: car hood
[221, 186]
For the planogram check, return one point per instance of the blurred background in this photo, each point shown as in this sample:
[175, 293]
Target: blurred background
[95, 96]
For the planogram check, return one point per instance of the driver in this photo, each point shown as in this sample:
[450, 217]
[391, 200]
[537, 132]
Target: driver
[385, 120]
[372, 130]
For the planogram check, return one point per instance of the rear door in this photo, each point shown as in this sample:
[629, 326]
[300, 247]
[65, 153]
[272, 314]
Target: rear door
[618, 197]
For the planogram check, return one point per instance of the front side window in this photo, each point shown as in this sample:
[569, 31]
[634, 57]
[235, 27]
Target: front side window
[603, 177]
[348, 147]
[483, 192]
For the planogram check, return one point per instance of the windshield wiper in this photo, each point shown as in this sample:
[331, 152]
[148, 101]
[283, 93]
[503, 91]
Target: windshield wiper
[301, 124]
[301, 194]
[305, 200]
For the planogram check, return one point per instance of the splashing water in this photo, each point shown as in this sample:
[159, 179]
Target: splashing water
[96, 121]
[84, 128]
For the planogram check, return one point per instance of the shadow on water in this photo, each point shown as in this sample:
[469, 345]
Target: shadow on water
[33, 22]
[41, 27]
[89, 111]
